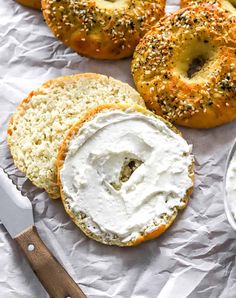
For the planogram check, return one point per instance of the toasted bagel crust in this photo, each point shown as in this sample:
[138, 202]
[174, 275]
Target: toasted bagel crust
[102, 29]
[163, 58]
[43, 118]
[31, 3]
[78, 218]
[228, 5]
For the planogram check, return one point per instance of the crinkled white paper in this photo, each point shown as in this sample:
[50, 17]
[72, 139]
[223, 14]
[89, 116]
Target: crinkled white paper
[195, 258]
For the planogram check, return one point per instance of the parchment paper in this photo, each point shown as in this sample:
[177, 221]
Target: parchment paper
[195, 258]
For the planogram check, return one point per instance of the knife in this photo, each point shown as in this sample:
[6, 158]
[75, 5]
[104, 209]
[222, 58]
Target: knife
[16, 215]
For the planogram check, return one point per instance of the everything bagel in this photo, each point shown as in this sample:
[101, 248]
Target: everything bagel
[185, 67]
[102, 29]
[229, 5]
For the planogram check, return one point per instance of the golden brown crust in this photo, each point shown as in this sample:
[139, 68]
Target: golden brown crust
[158, 230]
[185, 3]
[31, 3]
[228, 5]
[102, 29]
[47, 179]
[160, 67]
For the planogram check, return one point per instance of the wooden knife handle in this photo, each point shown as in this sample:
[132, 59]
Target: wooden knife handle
[51, 274]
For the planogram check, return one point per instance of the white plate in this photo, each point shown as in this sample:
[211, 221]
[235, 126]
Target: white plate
[226, 203]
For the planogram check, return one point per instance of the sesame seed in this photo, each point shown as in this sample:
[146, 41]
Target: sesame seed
[119, 25]
[155, 59]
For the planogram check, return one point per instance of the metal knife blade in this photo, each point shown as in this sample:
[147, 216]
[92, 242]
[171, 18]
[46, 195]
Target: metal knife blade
[17, 216]
[15, 210]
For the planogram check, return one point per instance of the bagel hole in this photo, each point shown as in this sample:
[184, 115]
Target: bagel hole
[232, 3]
[112, 4]
[128, 168]
[196, 60]
[196, 65]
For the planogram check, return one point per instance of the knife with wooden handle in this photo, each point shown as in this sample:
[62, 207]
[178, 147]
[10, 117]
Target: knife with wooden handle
[17, 216]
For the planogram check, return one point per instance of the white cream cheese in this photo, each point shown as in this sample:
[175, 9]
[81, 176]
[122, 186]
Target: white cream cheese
[231, 185]
[94, 162]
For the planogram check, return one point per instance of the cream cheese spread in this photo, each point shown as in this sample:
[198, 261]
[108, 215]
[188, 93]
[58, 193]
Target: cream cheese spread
[157, 180]
[231, 185]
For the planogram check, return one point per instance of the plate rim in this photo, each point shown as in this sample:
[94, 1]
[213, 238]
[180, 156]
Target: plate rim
[228, 212]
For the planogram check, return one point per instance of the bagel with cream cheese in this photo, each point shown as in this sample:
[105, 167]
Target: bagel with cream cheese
[44, 117]
[31, 3]
[124, 173]
[229, 5]
[102, 29]
[185, 67]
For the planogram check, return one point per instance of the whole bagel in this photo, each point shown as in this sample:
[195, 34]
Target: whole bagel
[31, 3]
[229, 5]
[184, 67]
[102, 29]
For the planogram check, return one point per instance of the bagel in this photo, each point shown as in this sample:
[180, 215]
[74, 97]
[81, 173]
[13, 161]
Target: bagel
[45, 115]
[229, 5]
[31, 3]
[124, 173]
[184, 67]
[102, 29]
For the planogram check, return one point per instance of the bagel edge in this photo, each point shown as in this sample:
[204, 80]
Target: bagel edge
[36, 4]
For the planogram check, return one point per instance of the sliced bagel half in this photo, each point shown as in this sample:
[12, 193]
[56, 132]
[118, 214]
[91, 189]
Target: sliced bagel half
[44, 117]
[124, 173]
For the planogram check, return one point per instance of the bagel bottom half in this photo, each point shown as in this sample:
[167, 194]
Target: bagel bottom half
[124, 173]
[44, 117]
